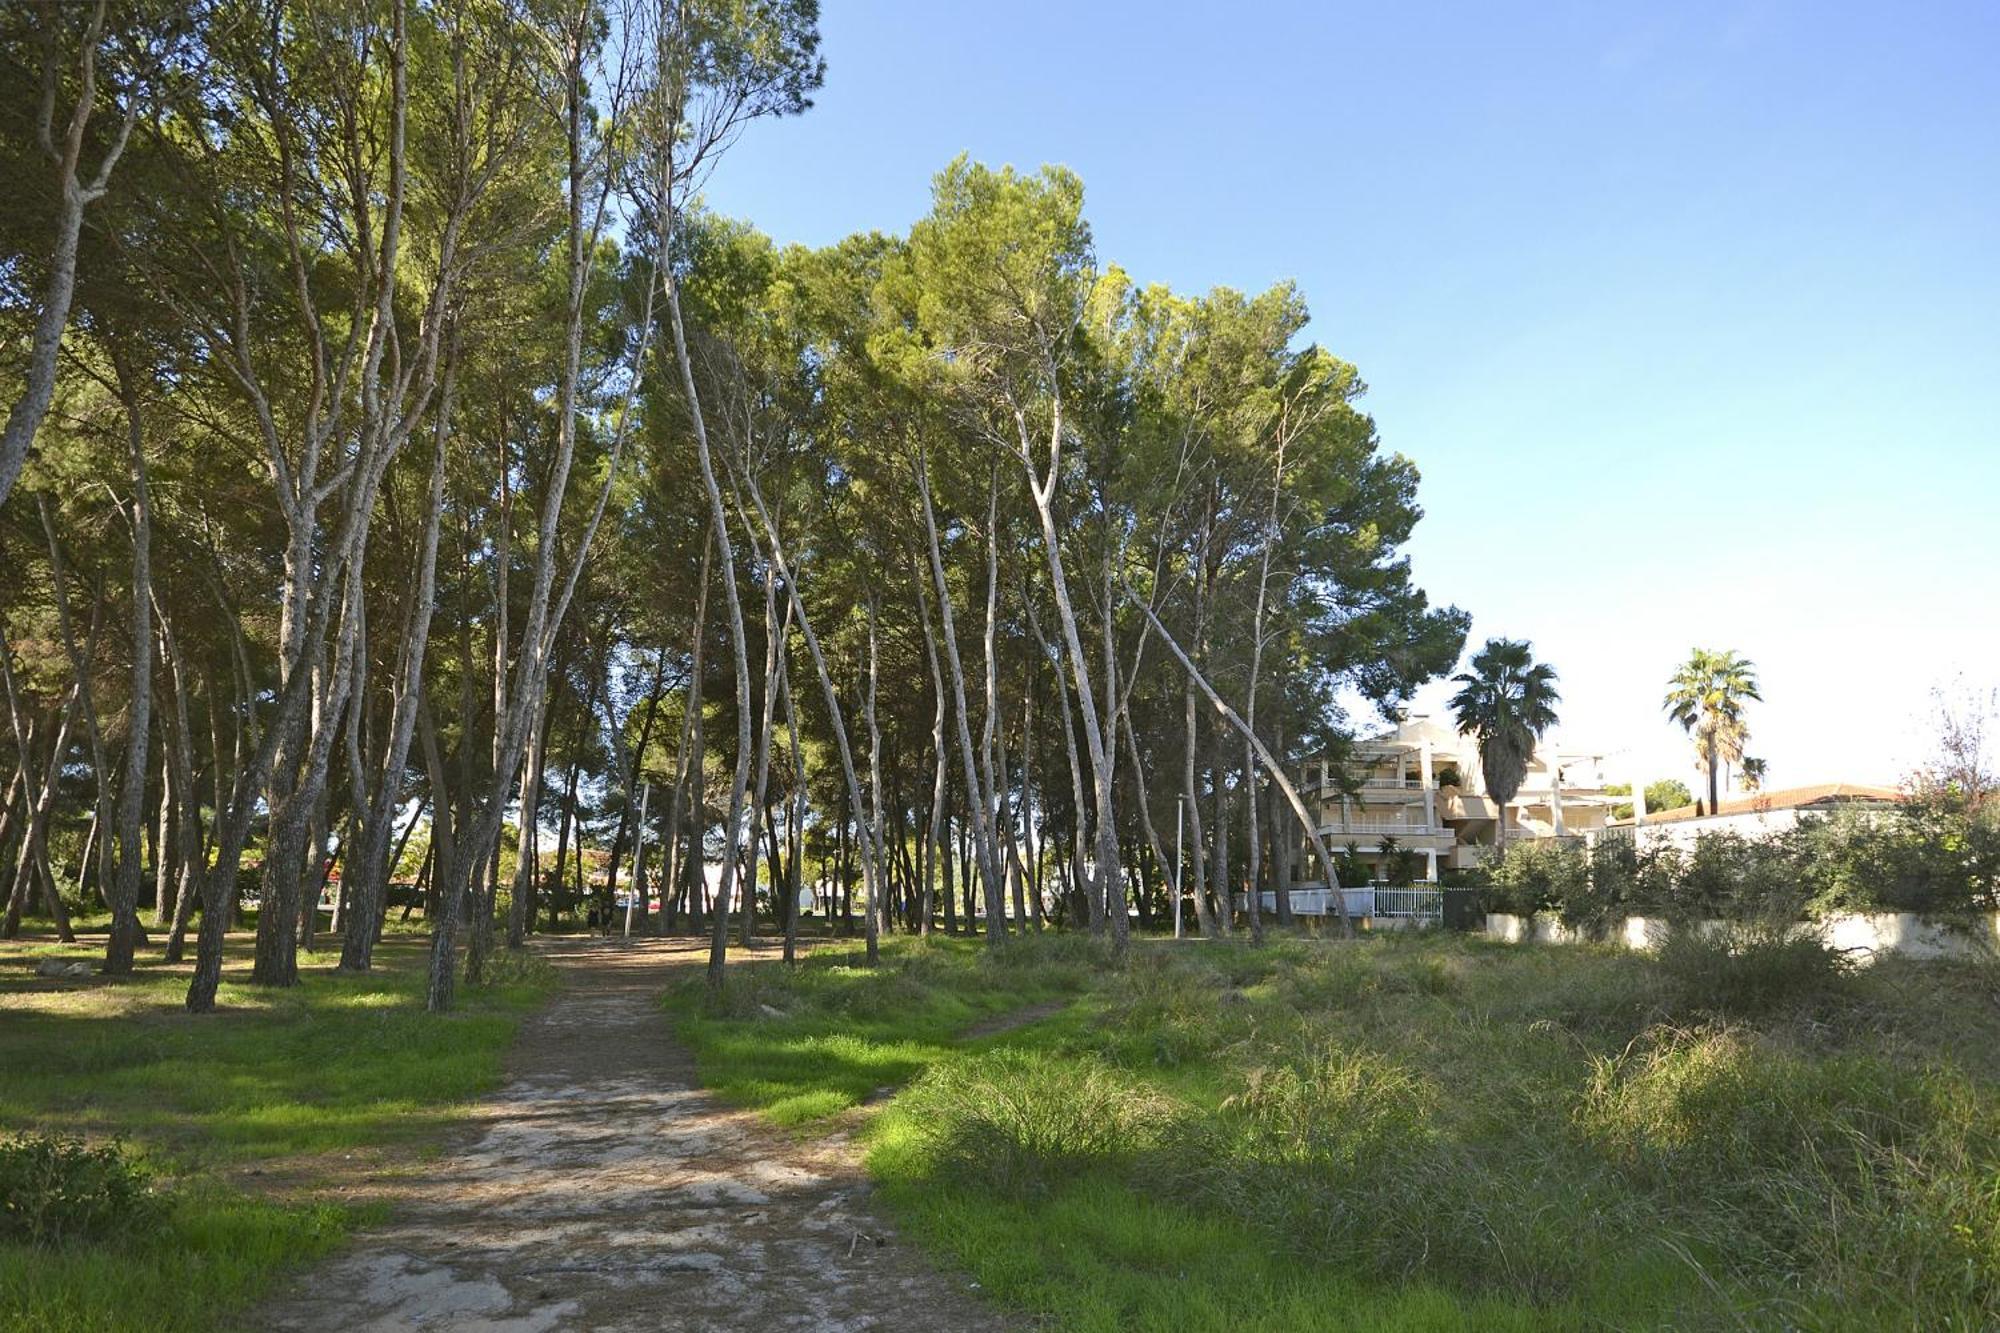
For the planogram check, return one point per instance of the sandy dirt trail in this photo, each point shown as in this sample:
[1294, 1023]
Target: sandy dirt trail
[603, 1190]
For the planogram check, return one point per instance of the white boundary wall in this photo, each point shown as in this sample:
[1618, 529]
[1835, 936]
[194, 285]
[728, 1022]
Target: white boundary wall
[1865, 934]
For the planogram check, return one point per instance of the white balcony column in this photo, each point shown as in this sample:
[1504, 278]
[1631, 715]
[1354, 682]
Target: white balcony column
[1430, 865]
[1556, 789]
[1430, 788]
[1402, 768]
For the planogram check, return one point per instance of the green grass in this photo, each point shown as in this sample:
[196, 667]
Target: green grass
[806, 1043]
[1412, 1133]
[284, 1091]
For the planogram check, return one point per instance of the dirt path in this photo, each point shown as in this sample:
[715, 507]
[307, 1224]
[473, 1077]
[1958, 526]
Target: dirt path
[604, 1191]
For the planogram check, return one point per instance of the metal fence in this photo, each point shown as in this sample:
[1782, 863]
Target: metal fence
[1370, 900]
[1410, 904]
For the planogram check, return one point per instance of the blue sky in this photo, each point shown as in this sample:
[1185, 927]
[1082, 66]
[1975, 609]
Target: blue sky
[1689, 314]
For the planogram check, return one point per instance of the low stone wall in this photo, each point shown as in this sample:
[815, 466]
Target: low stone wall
[1865, 934]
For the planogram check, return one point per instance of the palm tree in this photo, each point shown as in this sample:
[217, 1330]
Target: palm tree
[1753, 772]
[1505, 702]
[1706, 697]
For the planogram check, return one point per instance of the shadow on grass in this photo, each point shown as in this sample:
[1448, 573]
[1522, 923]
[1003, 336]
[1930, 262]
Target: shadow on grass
[287, 1077]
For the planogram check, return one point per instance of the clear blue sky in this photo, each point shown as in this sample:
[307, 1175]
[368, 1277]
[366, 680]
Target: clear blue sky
[1689, 314]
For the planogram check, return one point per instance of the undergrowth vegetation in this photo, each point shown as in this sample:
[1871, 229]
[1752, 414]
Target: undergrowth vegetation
[55, 1189]
[806, 1042]
[1422, 1132]
[159, 1232]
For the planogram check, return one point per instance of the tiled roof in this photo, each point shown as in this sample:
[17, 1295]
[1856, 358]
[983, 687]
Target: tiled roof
[1789, 798]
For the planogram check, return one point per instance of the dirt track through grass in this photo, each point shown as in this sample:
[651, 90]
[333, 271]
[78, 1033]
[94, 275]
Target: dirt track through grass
[603, 1190]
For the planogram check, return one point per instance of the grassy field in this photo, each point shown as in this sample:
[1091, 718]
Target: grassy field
[1412, 1133]
[245, 1117]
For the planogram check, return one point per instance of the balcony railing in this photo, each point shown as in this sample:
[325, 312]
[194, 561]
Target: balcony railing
[1376, 782]
[1341, 828]
[1392, 782]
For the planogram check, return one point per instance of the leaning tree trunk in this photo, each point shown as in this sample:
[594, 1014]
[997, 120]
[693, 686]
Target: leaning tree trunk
[796, 819]
[1271, 765]
[545, 611]
[180, 754]
[688, 756]
[775, 632]
[992, 791]
[41, 799]
[1093, 904]
[528, 858]
[782, 566]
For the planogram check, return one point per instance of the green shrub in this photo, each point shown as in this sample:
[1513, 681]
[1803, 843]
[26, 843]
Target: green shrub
[55, 1190]
[1861, 1183]
[1726, 874]
[1538, 875]
[1022, 1122]
[1748, 968]
[1171, 1011]
[1330, 1105]
[1935, 854]
[1337, 1151]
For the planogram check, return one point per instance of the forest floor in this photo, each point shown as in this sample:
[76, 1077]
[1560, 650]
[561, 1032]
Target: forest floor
[599, 1188]
[272, 1127]
[1402, 1132]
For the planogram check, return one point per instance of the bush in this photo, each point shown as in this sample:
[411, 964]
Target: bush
[1932, 855]
[1749, 968]
[1328, 1105]
[1538, 876]
[1021, 1122]
[56, 1190]
[1721, 875]
[1335, 1149]
[1865, 1185]
[1729, 875]
[1174, 1011]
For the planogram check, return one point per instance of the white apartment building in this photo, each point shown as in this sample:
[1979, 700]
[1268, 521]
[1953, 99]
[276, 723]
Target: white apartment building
[1420, 785]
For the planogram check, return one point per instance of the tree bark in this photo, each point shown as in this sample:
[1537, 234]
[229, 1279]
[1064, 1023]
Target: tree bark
[25, 417]
[1043, 489]
[876, 889]
[370, 865]
[982, 830]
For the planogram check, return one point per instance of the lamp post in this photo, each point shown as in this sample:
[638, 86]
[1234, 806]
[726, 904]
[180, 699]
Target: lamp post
[638, 860]
[1180, 817]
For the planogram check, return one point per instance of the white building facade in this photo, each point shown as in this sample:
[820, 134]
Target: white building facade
[1418, 789]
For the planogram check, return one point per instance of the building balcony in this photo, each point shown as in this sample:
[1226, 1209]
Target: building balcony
[1370, 832]
[1370, 782]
